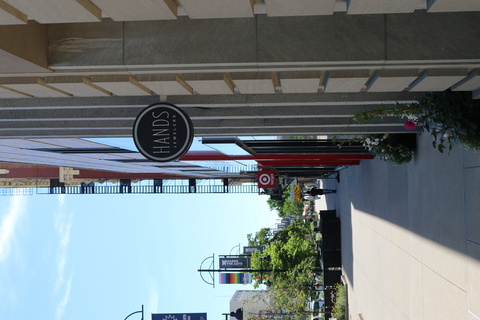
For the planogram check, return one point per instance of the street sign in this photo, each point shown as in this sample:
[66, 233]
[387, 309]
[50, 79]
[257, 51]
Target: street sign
[249, 250]
[163, 132]
[234, 262]
[267, 179]
[179, 316]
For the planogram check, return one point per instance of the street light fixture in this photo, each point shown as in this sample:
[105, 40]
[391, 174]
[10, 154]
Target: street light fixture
[131, 314]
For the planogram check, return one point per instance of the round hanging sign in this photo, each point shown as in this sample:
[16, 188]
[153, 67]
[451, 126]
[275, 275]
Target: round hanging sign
[163, 132]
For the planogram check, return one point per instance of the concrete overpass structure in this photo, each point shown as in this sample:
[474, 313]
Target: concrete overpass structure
[86, 68]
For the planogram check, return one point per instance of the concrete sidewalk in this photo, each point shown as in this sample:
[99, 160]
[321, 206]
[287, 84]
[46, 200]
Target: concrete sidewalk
[411, 236]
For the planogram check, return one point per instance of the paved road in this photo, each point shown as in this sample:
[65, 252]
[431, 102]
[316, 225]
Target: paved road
[411, 236]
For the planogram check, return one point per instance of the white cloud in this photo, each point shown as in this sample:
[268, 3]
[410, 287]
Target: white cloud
[8, 225]
[63, 225]
[63, 222]
[64, 301]
[153, 299]
[61, 199]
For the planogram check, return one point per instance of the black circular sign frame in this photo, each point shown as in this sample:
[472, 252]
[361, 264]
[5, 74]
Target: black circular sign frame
[163, 132]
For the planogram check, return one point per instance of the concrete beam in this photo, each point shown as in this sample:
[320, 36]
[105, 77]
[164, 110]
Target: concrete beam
[208, 9]
[121, 85]
[165, 84]
[438, 79]
[277, 8]
[213, 83]
[346, 81]
[452, 6]
[126, 10]
[96, 132]
[470, 83]
[236, 100]
[58, 11]
[300, 82]
[80, 86]
[216, 124]
[261, 114]
[270, 44]
[381, 6]
[392, 80]
[10, 15]
[33, 86]
[254, 82]
[6, 92]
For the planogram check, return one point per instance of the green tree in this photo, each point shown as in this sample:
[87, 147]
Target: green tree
[261, 238]
[292, 289]
[284, 206]
[286, 265]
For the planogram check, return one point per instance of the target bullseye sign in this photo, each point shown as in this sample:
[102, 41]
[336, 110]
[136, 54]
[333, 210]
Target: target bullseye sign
[267, 179]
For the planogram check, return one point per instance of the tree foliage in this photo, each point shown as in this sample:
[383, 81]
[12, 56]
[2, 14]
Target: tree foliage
[287, 263]
[284, 206]
[261, 238]
[293, 288]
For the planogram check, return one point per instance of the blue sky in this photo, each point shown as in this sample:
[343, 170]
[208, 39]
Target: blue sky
[80, 257]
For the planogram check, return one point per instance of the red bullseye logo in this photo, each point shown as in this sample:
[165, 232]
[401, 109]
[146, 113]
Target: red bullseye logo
[266, 179]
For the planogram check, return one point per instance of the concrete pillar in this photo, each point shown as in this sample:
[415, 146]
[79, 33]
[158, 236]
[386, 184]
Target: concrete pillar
[252, 44]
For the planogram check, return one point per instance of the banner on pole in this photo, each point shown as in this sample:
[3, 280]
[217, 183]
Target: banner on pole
[297, 194]
[234, 262]
[235, 278]
[251, 249]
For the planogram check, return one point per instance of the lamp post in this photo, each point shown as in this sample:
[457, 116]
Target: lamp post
[131, 314]
[238, 314]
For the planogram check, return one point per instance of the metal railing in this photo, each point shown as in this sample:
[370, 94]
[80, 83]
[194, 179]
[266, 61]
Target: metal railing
[158, 186]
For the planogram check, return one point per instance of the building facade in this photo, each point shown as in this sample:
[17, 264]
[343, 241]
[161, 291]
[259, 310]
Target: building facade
[254, 303]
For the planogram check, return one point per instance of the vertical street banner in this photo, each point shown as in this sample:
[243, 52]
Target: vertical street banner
[235, 278]
[179, 316]
[296, 193]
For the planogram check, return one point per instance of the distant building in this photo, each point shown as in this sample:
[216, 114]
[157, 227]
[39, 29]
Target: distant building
[255, 303]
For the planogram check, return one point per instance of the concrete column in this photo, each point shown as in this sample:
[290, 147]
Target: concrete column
[269, 43]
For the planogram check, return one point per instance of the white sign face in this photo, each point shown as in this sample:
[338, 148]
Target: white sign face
[234, 263]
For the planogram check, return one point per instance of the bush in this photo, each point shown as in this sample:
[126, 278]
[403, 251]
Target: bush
[340, 306]
[450, 117]
[394, 148]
